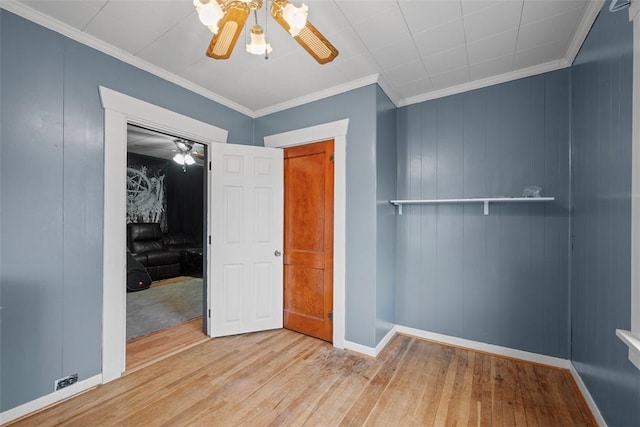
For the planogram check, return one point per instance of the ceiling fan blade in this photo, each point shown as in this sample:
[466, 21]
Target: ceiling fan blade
[230, 28]
[316, 44]
[309, 37]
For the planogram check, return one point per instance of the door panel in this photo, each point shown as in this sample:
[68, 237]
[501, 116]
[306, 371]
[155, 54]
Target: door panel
[247, 219]
[308, 236]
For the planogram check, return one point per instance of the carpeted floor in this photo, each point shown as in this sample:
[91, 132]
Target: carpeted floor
[161, 307]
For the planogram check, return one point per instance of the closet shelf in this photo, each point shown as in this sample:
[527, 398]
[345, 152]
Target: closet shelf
[484, 200]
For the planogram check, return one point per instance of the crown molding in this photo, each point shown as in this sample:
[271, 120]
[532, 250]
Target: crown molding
[584, 26]
[589, 16]
[490, 81]
[336, 90]
[388, 91]
[88, 40]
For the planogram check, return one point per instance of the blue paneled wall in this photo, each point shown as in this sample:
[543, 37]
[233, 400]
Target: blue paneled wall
[502, 278]
[51, 193]
[508, 278]
[386, 182]
[602, 78]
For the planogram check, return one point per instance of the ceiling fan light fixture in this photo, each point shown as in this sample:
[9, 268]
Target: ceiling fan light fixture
[258, 45]
[209, 13]
[188, 160]
[183, 145]
[179, 159]
[296, 17]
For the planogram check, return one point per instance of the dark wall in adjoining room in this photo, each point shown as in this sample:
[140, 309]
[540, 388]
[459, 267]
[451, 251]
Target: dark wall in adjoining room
[179, 195]
[602, 81]
[185, 200]
[147, 190]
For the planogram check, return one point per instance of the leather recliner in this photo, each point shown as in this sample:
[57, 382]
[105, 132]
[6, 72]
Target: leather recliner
[147, 246]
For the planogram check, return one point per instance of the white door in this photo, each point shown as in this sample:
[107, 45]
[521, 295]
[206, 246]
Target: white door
[246, 205]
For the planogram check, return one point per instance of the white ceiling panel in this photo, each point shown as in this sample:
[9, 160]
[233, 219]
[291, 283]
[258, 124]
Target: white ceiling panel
[538, 55]
[537, 10]
[356, 67]
[356, 11]
[72, 12]
[406, 90]
[184, 41]
[441, 38]
[383, 29]
[555, 28]
[416, 46]
[450, 78]
[392, 55]
[492, 47]
[490, 68]
[493, 20]
[473, 6]
[405, 73]
[132, 25]
[422, 15]
[447, 61]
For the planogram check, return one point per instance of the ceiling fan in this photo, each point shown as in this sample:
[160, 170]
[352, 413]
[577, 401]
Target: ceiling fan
[226, 19]
[186, 153]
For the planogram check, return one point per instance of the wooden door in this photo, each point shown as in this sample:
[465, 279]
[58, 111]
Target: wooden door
[308, 239]
[246, 239]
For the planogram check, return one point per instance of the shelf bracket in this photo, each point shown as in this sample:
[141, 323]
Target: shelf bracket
[486, 207]
[399, 209]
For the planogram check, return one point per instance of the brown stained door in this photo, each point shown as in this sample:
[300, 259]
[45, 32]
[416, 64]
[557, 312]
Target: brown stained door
[308, 239]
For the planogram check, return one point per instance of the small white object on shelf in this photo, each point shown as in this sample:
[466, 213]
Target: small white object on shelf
[484, 200]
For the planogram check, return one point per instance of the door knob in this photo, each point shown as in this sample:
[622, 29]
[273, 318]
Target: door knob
[277, 253]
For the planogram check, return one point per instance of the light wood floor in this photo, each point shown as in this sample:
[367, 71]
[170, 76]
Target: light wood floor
[282, 378]
[148, 349]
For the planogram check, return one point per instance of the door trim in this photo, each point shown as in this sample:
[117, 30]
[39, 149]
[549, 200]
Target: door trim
[120, 109]
[338, 132]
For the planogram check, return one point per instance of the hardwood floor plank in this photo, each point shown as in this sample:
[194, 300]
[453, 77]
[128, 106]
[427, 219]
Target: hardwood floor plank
[360, 412]
[150, 348]
[281, 378]
[439, 359]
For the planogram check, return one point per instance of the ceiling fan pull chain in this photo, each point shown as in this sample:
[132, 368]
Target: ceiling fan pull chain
[266, 27]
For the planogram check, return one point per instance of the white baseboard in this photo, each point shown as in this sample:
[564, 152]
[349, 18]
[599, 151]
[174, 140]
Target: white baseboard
[370, 351]
[487, 348]
[359, 348]
[587, 396]
[49, 399]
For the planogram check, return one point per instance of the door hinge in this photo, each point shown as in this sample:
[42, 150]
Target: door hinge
[209, 239]
[209, 165]
[332, 157]
[209, 313]
[330, 315]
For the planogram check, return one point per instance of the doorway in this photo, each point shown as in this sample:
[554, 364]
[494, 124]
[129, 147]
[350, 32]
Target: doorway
[337, 131]
[166, 217]
[121, 110]
[308, 239]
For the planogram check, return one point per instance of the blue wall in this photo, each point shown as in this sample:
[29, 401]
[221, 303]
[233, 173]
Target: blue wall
[386, 182]
[51, 193]
[502, 278]
[359, 106]
[602, 80]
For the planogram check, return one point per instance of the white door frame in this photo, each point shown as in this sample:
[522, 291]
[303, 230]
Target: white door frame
[119, 110]
[338, 132]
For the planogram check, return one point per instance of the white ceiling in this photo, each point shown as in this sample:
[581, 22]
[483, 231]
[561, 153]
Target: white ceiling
[155, 144]
[415, 49]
